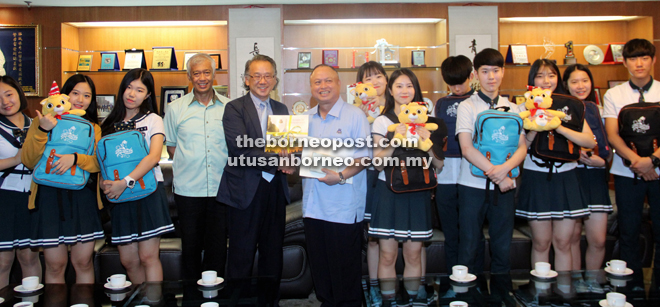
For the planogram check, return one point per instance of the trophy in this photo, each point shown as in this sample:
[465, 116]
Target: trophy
[387, 55]
[570, 57]
[549, 47]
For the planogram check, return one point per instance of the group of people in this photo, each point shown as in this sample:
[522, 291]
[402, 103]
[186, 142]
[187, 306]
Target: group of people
[244, 204]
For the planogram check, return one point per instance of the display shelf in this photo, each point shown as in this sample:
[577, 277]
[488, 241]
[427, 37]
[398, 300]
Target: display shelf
[539, 34]
[430, 36]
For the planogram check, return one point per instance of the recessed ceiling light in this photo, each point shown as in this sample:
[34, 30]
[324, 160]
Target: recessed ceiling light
[363, 21]
[178, 23]
[569, 19]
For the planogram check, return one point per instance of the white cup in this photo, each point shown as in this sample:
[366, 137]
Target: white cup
[30, 282]
[458, 304]
[209, 277]
[615, 299]
[24, 304]
[116, 297]
[209, 293]
[117, 280]
[542, 268]
[617, 266]
[80, 305]
[459, 272]
[209, 304]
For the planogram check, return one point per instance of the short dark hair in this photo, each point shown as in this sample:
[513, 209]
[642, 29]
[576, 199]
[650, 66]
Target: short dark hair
[21, 95]
[91, 114]
[540, 63]
[489, 57]
[256, 58]
[456, 69]
[369, 69]
[567, 75]
[389, 99]
[637, 47]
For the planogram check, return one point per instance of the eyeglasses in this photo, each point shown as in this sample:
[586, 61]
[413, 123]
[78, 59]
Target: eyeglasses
[259, 77]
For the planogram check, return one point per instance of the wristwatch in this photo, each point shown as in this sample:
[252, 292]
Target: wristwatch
[655, 160]
[342, 180]
[130, 182]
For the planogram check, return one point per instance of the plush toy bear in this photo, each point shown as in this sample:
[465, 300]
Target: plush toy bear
[538, 117]
[365, 94]
[58, 104]
[414, 115]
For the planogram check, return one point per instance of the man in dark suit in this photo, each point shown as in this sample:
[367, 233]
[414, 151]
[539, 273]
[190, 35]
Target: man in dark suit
[256, 196]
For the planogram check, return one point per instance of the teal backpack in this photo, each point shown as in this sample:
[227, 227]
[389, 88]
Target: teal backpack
[72, 134]
[118, 155]
[496, 136]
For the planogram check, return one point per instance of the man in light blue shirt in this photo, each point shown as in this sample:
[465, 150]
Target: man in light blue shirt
[196, 141]
[333, 209]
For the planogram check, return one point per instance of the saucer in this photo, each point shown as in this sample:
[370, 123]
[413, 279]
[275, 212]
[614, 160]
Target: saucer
[468, 278]
[218, 281]
[1, 300]
[603, 303]
[20, 289]
[551, 274]
[109, 286]
[626, 272]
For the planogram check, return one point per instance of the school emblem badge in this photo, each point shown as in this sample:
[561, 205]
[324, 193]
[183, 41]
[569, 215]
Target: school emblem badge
[69, 135]
[640, 126]
[499, 136]
[122, 151]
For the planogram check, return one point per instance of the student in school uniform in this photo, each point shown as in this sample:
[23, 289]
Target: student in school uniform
[552, 204]
[474, 208]
[63, 219]
[457, 72]
[374, 73]
[15, 182]
[639, 58]
[593, 175]
[137, 225]
[400, 217]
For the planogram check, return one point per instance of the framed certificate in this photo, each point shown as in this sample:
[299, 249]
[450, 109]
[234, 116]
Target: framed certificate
[164, 59]
[20, 54]
[85, 62]
[104, 104]
[134, 59]
[517, 54]
[109, 61]
[331, 58]
[186, 57]
[169, 94]
[304, 60]
[218, 60]
[417, 57]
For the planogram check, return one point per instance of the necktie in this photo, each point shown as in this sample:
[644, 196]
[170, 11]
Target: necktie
[642, 89]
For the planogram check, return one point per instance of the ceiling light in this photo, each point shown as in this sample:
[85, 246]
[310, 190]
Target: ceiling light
[189, 23]
[569, 19]
[363, 21]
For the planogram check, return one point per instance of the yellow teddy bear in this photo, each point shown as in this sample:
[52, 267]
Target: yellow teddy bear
[414, 115]
[538, 117]
[365, 94]
[58, 104]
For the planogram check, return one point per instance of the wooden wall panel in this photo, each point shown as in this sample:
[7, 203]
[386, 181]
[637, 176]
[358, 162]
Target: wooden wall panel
[182, 38]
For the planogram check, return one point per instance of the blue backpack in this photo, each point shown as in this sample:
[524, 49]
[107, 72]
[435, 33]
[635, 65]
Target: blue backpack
[446, 109]
[595, 122]
[118, 155]
[497, 134]
[71, 134]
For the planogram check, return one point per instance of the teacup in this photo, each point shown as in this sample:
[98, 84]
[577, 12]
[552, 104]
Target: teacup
[458, 304]
[30, 282]
[209, 277]
[117, 280]
[615, 299]
[617, 266]
[542, 268]
[459, 272]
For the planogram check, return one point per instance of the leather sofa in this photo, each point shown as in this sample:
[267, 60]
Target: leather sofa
[296, 277]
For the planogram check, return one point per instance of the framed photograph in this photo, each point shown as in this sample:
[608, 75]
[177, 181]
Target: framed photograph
[169, 94]
[599, 98]
[613, 83]
[186, 57]
[304, 60]
[331, 58]
[222, 90]
[218, 60]
[418, 58]
[104, 104]
[19, 55]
